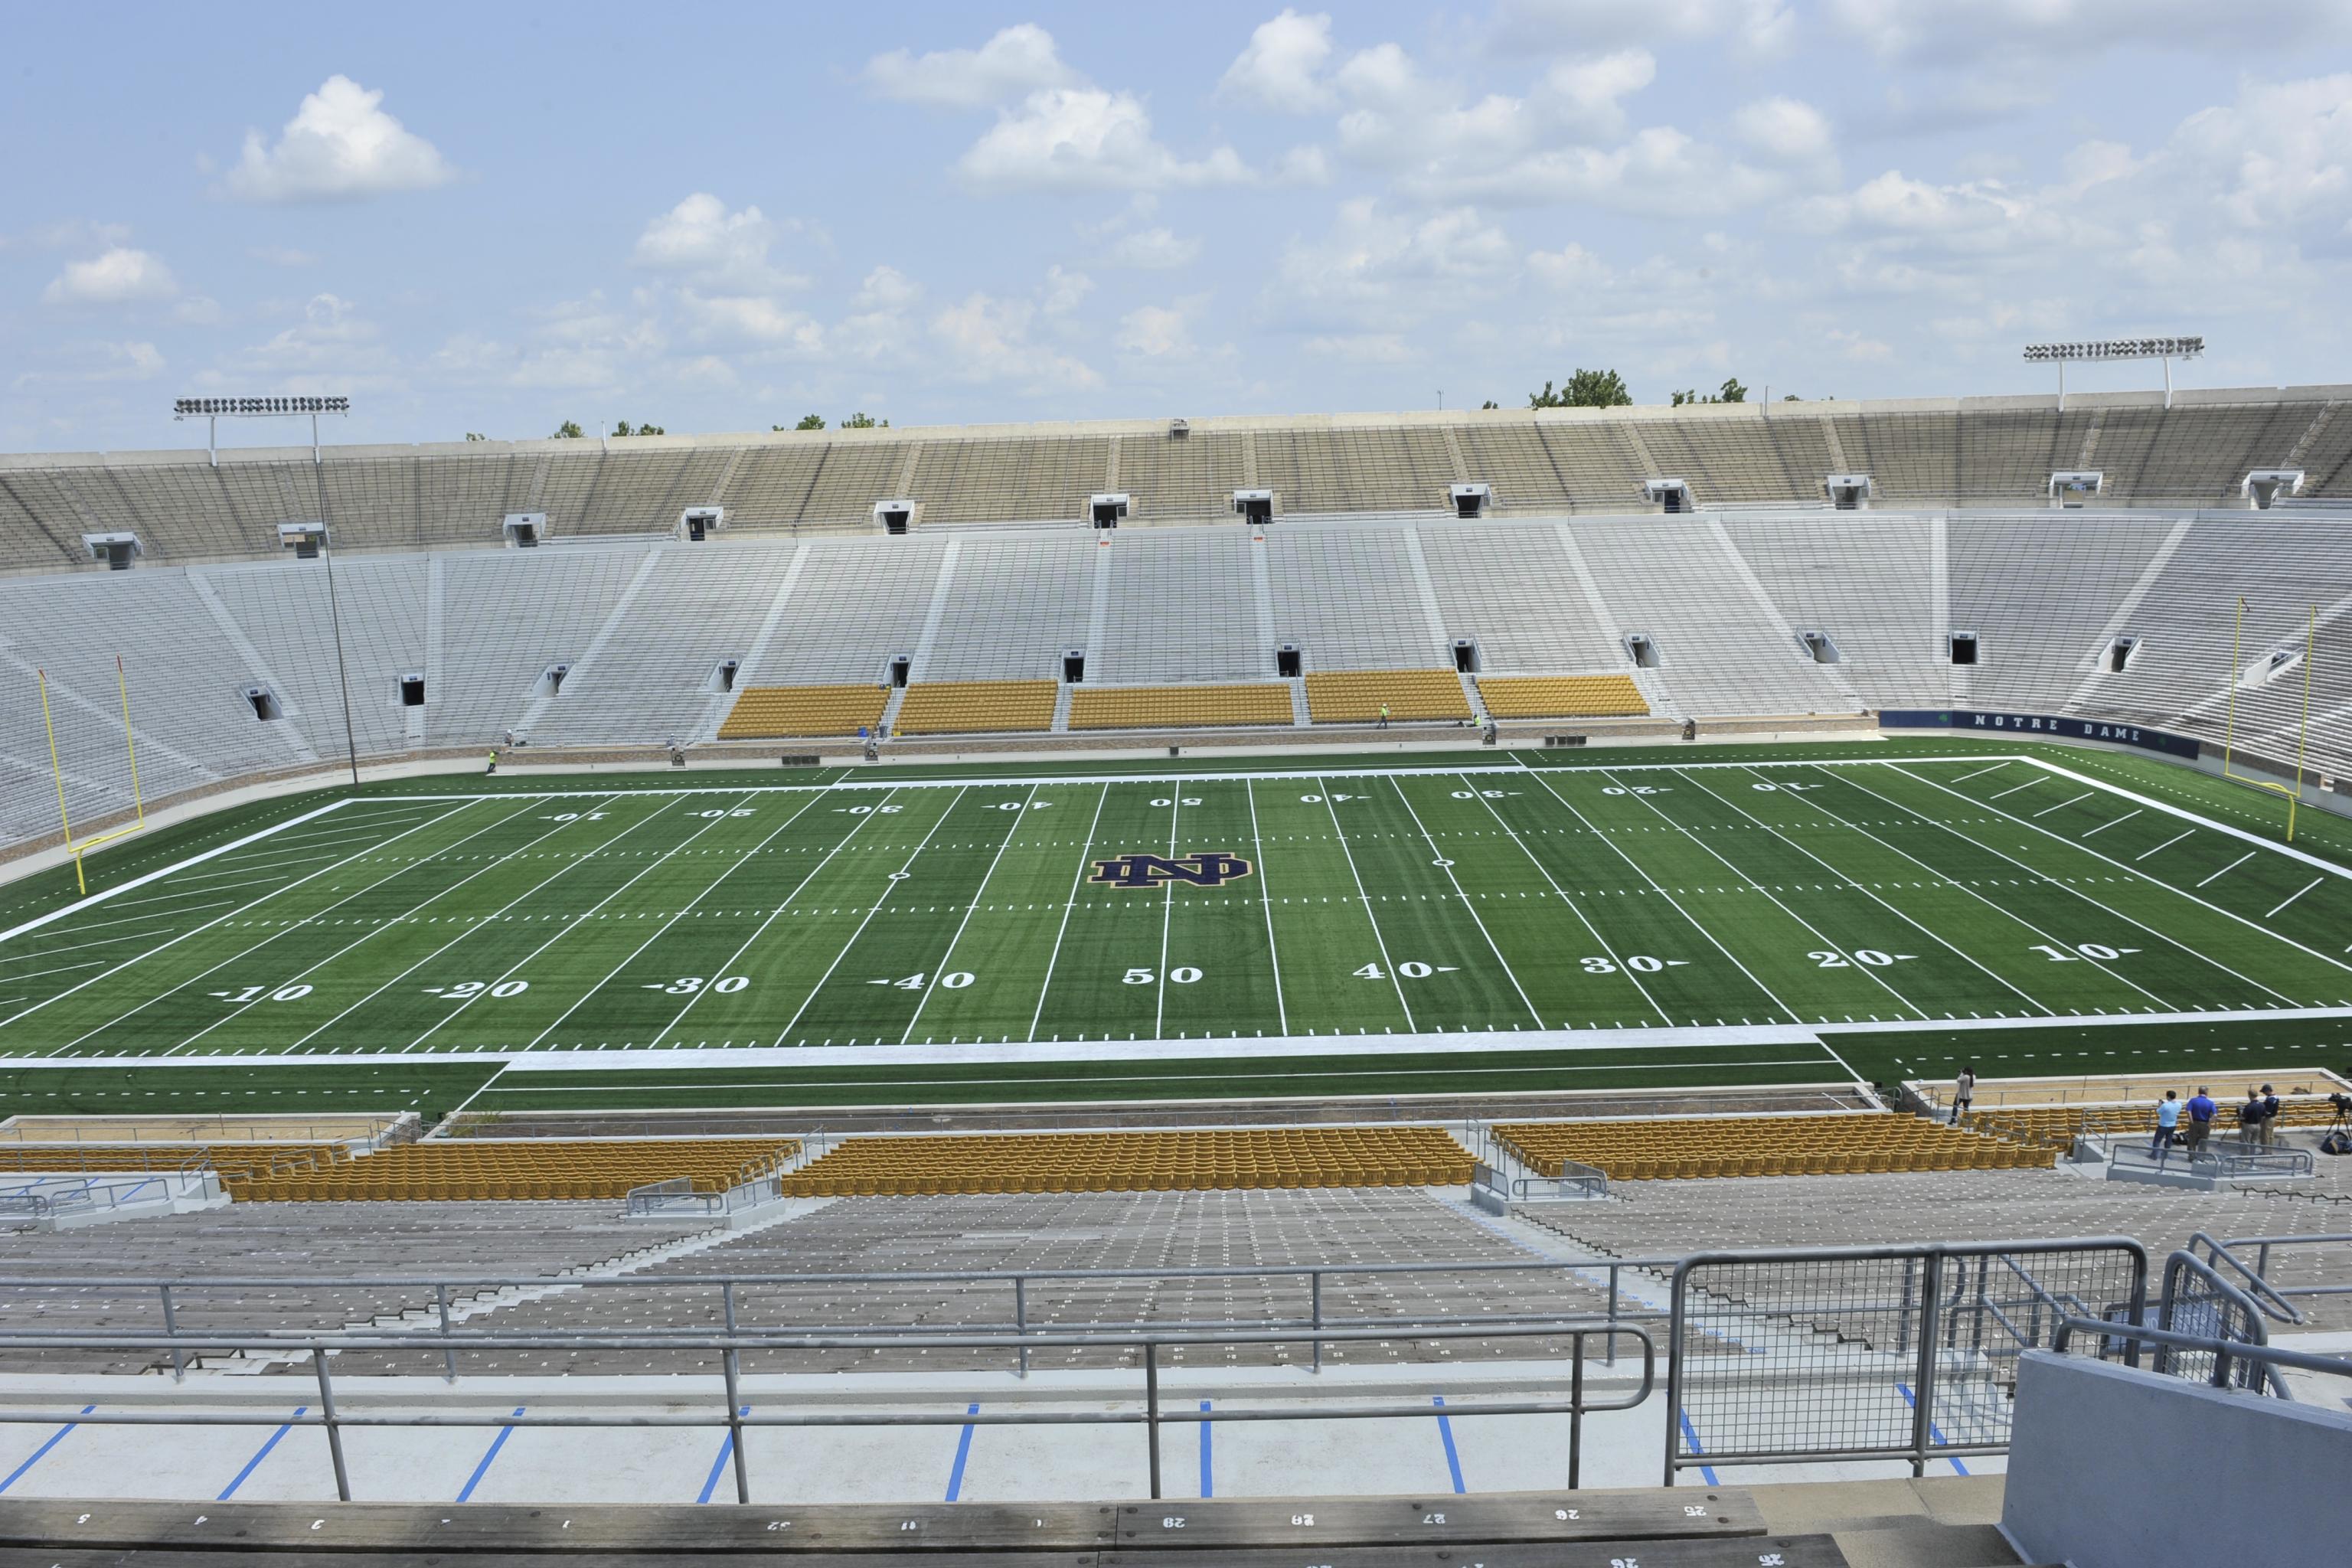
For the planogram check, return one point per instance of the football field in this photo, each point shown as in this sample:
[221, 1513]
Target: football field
[1716, 920]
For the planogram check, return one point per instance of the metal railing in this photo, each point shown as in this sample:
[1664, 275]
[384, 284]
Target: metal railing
[676, 1195]
[2197, 1302]
[2271, 1358]
[2221, 1160]
[1017, 1292]
[83, 1196]
[1874, 1353]
[1149, 1411]
[2271, 1297]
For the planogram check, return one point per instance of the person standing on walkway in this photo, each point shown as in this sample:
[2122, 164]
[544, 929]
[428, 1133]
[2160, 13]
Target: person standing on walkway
[1384, 715]
[2168, 1118]
[1964, 1090]
[494, 762]
[2268, 1130]
[2201, 1111]
[2249, 1119]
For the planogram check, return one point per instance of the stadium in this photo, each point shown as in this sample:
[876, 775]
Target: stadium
[1651, 985]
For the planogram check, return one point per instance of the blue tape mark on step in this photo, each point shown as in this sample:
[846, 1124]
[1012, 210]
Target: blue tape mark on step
[260, 1454]
[1935, 1433]
[1208, 1478]
[56, 1437]
[963, 1453]
[1690, 1441]
[484, 1468]
[718, 1465]
[1445, 1435]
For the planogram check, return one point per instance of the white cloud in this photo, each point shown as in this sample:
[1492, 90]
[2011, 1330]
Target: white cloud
[751, 319]
[1362, 348]
[1377, 266]
[283, 256]
[2278, 160]
[1939, 32]
[1088, 138]
[1064, 290]
[340, 146]
[699, 238]
[69, 234]
[119, 277]
[1279, 67]
[1784, 130]
[1154, 331]
[1015, 62]
[1859, 347]
[1759, 26]
[1152, 250]
[887, 289]
[985, 338]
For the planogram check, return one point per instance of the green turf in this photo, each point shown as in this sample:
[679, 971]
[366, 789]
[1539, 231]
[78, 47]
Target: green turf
[1450, 894]
[432, 1089]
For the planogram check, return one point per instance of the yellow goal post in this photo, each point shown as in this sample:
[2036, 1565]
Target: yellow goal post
[57, 768]
[2293, 792]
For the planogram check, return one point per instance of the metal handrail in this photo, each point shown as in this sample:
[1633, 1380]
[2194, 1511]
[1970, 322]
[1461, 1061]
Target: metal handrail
[2266, 1296]
[2270, 1355]
[2181, 1264]
[738, 1415]
[2263, 1245]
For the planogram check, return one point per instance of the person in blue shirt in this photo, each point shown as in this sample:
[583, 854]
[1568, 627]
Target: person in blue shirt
[2201, 1111]
[2167, 1117]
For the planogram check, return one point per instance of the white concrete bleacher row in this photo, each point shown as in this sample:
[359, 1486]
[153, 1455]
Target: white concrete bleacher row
[641, 627]
[1949, 452]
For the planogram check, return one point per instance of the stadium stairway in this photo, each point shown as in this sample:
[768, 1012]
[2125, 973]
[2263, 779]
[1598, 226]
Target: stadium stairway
[1943, 1523]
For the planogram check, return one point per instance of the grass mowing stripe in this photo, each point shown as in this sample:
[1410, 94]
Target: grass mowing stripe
[1061, 928]
[208, 925]
[1387, 962]
[1575, 906]
[395, 924]
[1266, 901]
[1446, 863]
[1893, 909]
[1167, 918]
[806, 806]
[570, 924]
[2143, 876]
[936, 971]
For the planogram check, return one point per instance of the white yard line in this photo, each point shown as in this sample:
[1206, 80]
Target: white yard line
[566, 927]
[1572, 903]
[2231, 866]
[2064, 804]
[2014, 788]
[2185, 832]
[232, 914]
[1078, 880]
[1167, 919]
[2296, 894]
[1445, 864]
[471, 926]
[60, 969]
[125, 920]
[898, 879]
[2102, 827]
[104, 894]
[1656, 887]
[1265, 897]
[1362, 898]
[191, 893]
[1754, 886]
[2143, 876]
[2325, 867]
[806, 806]
[101, 941]
[1027, 803]
[1982, 771]
[1957, 886]
[1849, 881]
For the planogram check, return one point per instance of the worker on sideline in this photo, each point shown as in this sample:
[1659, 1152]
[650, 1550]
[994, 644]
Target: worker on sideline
[494, 762]
[1384, 715]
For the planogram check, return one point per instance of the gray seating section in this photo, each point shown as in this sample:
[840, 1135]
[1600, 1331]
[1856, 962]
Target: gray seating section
[851, 608]
[283, 611]
[2038, 597]
[1517, 593]
[1041, 584]
[1351, 599]
[1868, 584]
[319, 1244]
[1181, 607]
[515, 613]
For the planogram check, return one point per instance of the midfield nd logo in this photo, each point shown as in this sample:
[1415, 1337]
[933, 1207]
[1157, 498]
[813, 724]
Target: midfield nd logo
[1203, 868]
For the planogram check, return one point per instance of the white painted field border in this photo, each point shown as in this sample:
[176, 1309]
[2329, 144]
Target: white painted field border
[2150, 803]
[1523, 1041]
[2047, 879]
[1454, 763]
[2290, 851]
[216, 920]
[103, 894]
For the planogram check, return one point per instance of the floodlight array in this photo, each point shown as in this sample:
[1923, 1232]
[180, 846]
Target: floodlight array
[2118, 348]
[245, 407]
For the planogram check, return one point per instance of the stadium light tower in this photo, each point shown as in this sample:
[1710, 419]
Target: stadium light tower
[212, 411]
[2165, 349]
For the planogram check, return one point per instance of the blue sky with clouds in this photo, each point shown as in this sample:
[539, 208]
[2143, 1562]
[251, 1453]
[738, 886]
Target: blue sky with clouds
[498, 217]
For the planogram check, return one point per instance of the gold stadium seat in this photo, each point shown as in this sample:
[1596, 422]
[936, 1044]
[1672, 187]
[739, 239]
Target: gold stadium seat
[1354, 697]
[977, 706]
[762, 712]
[1562, 695]
[1177, 707]
[1184, 1161]
[1671, 1148]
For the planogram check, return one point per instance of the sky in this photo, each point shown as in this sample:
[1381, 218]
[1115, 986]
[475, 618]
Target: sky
[497, 219]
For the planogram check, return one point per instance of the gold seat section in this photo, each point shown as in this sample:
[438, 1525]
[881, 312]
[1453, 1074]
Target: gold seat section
[761, 711]
[1562, 695]
[1184, 1161]
[520, 1169]
[1177, 707]
[977, 706]
[1355, 695]
[1671, 1147]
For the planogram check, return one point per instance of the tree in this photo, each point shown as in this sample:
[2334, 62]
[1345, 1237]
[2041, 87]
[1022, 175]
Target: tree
[861, 420]
[622, 429]
[808, 422]
[569, 430]
[1585, 389]
[476, 436]
[1791, 397]
[1490, 402]
[1731, 391]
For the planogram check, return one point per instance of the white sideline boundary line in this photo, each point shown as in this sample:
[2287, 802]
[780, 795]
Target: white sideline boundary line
[1482, 1043]
[102, 895]
[2152, 804]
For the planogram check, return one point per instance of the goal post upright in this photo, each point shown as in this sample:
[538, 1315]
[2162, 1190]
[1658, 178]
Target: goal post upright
[2292, 792]
[56, 770]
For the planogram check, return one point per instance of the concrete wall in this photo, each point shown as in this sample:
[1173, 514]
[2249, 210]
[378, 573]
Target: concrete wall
[2111, 1468]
